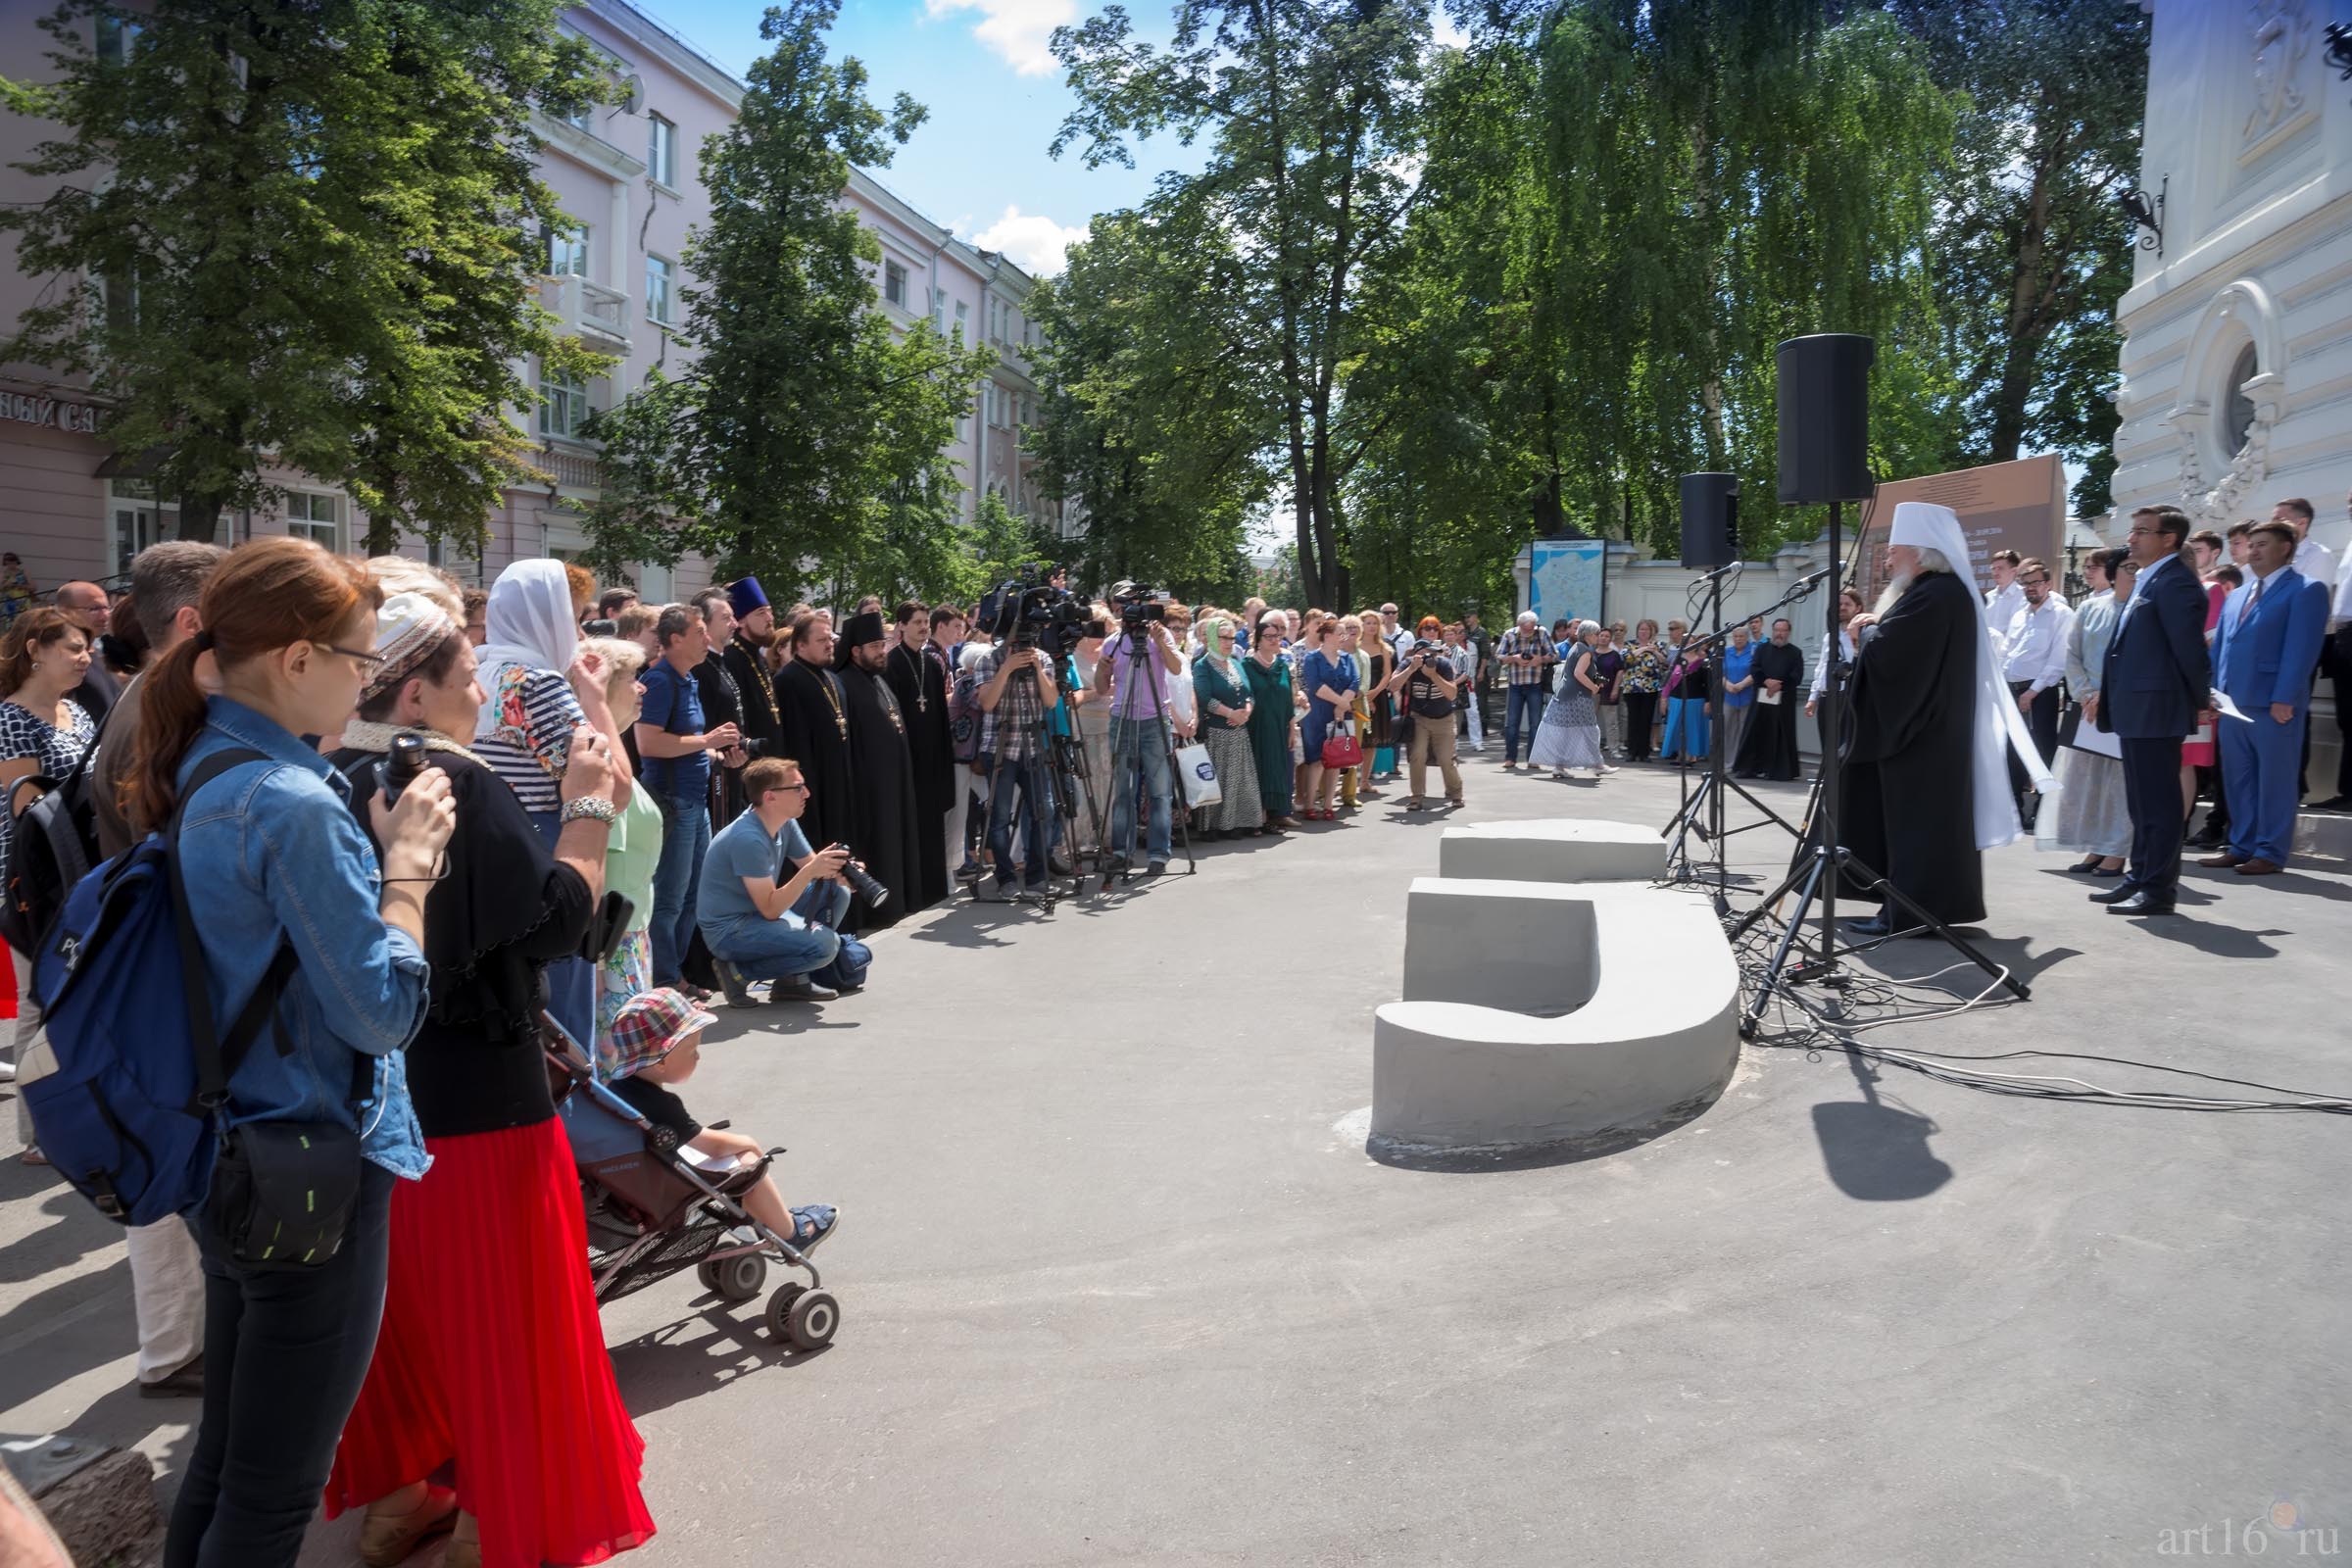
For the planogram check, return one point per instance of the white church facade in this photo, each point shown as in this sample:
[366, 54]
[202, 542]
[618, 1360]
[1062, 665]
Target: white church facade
[2238, 358]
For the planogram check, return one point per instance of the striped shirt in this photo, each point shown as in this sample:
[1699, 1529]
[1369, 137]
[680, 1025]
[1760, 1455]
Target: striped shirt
[1518, 644]
[536, 715]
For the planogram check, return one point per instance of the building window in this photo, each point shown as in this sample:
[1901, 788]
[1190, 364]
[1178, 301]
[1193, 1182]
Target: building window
[2239, 419]
[313, 517]
[562, 405]
[894, 285]
[567, 253]
[963, 314]
[140, 519]
[116, 37]
[658, 290]
[662, 151]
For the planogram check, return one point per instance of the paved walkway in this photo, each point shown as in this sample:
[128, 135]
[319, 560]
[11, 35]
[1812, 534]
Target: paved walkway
[1119, 1284]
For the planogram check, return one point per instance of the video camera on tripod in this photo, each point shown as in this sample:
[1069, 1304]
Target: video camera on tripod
[1139, 605]
[1025, 613]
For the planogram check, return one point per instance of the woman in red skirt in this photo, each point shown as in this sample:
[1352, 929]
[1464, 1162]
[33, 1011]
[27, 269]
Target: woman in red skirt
[491, 1358]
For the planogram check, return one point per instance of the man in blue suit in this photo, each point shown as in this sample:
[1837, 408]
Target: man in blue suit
[2270, 632]
[2154, 683]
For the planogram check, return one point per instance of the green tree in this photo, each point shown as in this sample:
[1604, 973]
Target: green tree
[303, 235]
[1149, 416]
[2031, 251]
[806, 439]
[1311, 109]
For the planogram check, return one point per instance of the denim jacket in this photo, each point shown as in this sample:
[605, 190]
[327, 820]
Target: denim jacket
[270, 851]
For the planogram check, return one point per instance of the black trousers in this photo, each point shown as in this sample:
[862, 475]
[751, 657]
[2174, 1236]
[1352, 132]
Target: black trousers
[2041, 722]
[2152, 794]
[2336, 658]
[284, 1353]
[1641, 707]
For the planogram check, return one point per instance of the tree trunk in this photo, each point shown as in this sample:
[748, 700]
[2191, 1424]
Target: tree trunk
[199, 517]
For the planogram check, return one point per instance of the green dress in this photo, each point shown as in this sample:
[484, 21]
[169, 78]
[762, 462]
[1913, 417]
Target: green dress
[1270, 732]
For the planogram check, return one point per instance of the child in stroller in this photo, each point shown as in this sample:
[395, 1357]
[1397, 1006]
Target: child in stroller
[661, 1190]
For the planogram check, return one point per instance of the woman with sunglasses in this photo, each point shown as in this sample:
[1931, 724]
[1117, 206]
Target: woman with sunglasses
[264, 831]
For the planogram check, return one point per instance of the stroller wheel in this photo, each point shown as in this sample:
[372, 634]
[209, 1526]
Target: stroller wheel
[738, 1279]
[802, 1318]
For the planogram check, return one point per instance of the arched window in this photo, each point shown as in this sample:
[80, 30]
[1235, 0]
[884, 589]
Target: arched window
[2238, 419]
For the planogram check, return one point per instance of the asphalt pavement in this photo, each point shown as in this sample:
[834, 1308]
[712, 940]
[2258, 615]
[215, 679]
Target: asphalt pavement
[1120, 1285]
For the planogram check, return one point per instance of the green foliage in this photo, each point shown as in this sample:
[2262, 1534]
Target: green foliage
[303, 235]
[2031, 251]
[1310, 111]
[1147, 418]
[807, 441]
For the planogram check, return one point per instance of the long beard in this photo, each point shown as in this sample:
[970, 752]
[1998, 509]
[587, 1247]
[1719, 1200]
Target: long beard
[1894, 591]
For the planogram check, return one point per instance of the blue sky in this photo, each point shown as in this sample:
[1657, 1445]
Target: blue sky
[979, 165]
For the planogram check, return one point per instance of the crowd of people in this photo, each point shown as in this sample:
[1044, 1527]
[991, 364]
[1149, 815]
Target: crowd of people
[631, 808]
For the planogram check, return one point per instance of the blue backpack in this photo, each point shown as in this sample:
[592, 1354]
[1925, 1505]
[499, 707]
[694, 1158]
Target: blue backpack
[125, 1106]
[847, 971]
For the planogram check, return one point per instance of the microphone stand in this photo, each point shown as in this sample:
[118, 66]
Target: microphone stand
[1681, 864]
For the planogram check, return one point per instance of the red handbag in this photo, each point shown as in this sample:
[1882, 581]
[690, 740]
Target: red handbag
[1340, 747]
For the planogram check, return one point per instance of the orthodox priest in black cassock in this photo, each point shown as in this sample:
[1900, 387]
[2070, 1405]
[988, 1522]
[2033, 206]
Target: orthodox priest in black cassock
[887, 837]
[812, 728]
[745, 658]
[1908, 793]
[921, 684]
[1768, 750]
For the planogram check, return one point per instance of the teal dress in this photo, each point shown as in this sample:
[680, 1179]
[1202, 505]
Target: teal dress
[1270, 732]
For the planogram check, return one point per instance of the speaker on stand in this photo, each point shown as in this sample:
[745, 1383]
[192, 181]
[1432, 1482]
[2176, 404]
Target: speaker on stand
[1824, 413]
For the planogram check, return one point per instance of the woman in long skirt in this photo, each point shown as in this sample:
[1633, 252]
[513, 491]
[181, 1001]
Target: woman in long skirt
[2093, 818]
[1570, 735]
[1273, 722]
[1223, 691]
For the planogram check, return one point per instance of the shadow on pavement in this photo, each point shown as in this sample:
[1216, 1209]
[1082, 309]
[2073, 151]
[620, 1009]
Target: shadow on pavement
[674, 1363]
[1875, 1151]
[1452, 1163]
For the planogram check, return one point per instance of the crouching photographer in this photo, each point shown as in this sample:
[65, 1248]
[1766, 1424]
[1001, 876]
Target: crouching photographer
[758, 923]
[491, 1351]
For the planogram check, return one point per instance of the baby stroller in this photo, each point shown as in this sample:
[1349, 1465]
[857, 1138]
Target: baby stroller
[652, 1211]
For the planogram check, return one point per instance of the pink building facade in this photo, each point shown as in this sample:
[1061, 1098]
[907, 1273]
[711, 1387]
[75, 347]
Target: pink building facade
[629, 175]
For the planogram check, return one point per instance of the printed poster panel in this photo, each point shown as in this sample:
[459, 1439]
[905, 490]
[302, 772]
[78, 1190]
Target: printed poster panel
[2016, 506]
[1563, 579]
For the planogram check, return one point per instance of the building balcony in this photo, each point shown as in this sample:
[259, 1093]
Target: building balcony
[598, 316]
[571, 466]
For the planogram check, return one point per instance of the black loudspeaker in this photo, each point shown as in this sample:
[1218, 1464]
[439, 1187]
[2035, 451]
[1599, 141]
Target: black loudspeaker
[1710, 519]
[1825, 418]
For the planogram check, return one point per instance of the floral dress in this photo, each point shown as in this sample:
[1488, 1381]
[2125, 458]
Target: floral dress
[55, 753]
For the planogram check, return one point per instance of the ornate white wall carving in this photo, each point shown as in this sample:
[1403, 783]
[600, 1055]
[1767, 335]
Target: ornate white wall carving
[2281, 32]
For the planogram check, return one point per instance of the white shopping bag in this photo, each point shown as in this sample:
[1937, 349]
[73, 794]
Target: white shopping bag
[1199, 775]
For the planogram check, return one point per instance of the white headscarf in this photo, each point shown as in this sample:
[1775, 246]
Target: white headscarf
[528, 625]
[1999, 727]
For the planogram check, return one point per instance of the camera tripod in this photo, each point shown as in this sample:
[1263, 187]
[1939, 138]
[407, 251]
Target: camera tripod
[1127, 762]
[1702, 810]
[1061, 767]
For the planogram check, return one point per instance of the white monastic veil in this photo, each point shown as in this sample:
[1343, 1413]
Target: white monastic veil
[1999, 727]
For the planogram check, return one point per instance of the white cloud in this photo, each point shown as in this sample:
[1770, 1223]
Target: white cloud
[1033, 240]
[1017, 29]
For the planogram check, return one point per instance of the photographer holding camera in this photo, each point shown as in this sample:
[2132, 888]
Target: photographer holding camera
[1016, 691]
[1138, 668]
[1426, 679]
[762, 928]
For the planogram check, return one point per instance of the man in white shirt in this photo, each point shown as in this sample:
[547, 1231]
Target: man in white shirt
[2035, 663]
[1398, 638]
[2315, 562]
[2006, 597]
[2336, 658]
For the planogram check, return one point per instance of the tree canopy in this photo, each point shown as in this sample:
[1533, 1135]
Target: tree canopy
[303, 235]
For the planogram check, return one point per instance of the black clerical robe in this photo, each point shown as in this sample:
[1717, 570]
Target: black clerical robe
[919, 683]
[1908, 807]
[889, 833]
[1768, 748]
[812, 728]
[722, 703]
[763, 721]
